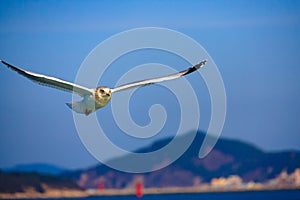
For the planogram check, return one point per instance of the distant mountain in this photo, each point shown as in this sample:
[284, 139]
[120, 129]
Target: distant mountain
[228, 157]
[36, 168]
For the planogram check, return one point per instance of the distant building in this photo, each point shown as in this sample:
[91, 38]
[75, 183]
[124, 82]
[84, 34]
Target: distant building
[233, 181]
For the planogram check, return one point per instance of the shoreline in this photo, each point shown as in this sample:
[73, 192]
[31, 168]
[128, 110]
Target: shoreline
[179, 190]
[54, 193]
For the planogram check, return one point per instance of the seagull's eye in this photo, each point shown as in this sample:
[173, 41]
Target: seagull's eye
[102, 91]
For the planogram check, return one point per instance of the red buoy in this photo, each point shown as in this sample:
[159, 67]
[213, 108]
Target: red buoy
[139, 189]
[101, 186]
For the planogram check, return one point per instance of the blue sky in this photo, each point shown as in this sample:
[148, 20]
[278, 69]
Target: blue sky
[255, 44]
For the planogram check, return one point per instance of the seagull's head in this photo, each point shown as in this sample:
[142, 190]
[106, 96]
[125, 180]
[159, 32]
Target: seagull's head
[103, 92]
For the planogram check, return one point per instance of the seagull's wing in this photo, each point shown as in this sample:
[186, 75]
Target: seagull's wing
[159, 79]
[51, 81]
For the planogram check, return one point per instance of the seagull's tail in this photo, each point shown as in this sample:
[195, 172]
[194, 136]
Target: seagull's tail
[79, 107]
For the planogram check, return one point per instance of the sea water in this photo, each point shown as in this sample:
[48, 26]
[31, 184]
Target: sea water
[257, 195]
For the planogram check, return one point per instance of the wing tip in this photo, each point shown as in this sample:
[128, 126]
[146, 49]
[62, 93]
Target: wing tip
[5, 63]
[201, 64]
[11, 66]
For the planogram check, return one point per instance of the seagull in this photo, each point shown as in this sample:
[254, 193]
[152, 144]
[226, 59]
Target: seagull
[95, 98]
